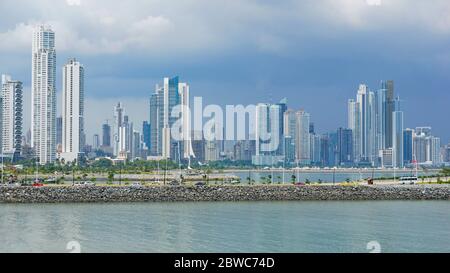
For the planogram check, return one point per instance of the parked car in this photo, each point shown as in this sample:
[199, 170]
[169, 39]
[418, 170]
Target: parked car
[200, 184]
[136, 185]
[84, 184]
[174, 183]
[300, 184]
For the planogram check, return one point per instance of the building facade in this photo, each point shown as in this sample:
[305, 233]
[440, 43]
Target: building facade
[72, 111]
[43, 94]
[11, 115]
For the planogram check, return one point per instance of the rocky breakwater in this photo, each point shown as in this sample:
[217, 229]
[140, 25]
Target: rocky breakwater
[68, 194]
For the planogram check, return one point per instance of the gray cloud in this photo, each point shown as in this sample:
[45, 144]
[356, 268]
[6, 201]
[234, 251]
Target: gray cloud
[239, 51]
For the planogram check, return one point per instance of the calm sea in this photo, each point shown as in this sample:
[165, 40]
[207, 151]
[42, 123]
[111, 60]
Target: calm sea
[394, 226]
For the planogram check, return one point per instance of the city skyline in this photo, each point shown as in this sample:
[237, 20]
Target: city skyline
[270, 61]
[376, 134]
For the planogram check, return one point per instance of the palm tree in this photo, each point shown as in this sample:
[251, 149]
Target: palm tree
[293, 178]
[446, 173]
[263, 179]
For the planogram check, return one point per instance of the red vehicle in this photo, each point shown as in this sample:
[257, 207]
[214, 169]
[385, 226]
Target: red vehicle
[300, 184]
[37, 184]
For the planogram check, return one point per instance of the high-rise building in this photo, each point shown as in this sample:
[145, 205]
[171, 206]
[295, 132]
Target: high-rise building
[435, 149]
[303, 140]
[387, 158]
[137, 147]
[408, 146]
[72, 110]
[267, 134]
[59, 128]
[354, 123]
[381, 113]
[362, 120]
[198, 146]
[146, 132]
[344, 147]
[390, 108]
[186, 144]
[95, 142]
[125, 139]
[12, 115]
[43, 94]
[211, 150]
[170, 94]
[118, 123]
[315, 149]
[446, 155]
[290, 134]
[106, 135]
[426, 147]
[397, 136]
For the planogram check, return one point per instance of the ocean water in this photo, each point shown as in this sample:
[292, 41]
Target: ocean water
[393, 226]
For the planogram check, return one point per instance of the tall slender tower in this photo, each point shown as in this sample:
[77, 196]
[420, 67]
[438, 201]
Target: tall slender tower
[354, 123]
[303, 141]
[388, 86]
[118, 121]
[12, 119]
[43, 94]
[397, 136]
[72, 110]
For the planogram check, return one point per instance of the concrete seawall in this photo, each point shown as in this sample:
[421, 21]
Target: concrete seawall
[220, 193]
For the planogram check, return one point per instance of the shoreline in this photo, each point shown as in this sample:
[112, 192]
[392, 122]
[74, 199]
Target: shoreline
[105, 194]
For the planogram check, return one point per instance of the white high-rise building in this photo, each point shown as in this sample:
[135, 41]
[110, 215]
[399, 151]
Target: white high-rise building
[435, 143]
[43, 94]
[118, 121]
[355, 125]
[366, 100]
[303, 140]
[12, 119]
[72, 110]
[183, 89]
[397, 136]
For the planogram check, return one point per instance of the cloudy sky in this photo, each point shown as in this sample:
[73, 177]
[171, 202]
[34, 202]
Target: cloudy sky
[314, 52]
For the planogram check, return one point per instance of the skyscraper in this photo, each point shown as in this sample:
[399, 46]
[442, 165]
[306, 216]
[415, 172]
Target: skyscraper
[106, 135]
[95, 141]
[362, 120]
[12, 115]
[59, 128]
[397, 136]
[303, 140]
[408, 146]
[435, 150]
[290, 134]
[344, 147]
[267, 134]
[366, 100]
[43, 94]
[380, 123]
[146, 132]
[390, 108]
[72, 110]
[167, 96]
[354, 124]
[186, 144]
[118, 121]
